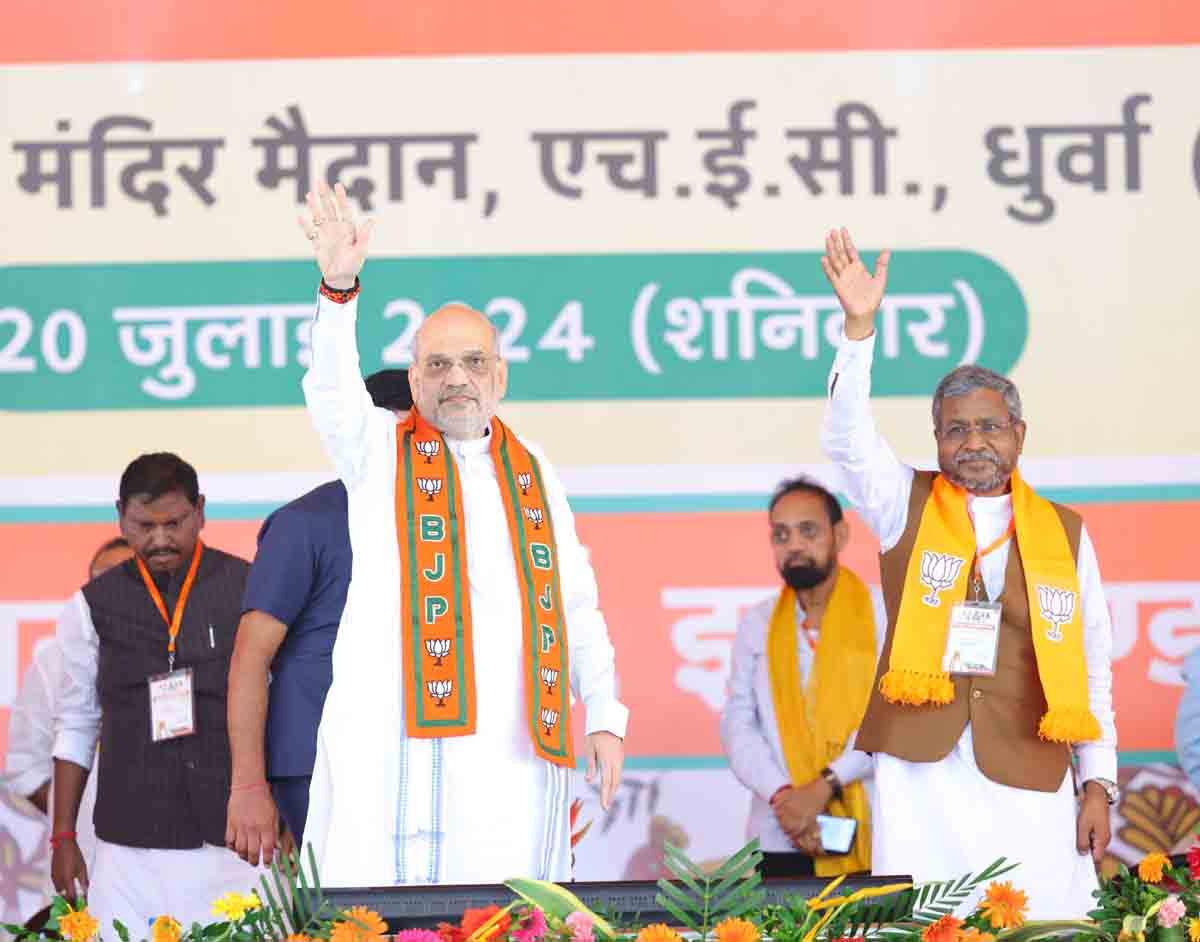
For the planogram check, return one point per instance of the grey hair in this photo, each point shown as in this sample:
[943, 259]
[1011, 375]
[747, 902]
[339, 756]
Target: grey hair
[968, 378]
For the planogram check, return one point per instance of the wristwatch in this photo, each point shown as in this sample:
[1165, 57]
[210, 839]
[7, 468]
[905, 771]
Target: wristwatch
[835, 784]
[1111, 792]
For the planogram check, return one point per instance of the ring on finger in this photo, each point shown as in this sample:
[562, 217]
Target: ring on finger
[312, 236]
[318, 220]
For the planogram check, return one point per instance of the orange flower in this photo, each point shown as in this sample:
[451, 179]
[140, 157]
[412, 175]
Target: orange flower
[1004, 906]
[366, 926]
[1194, 930]
[658, 932]
[945, 929]
[974, 935]
[299, 937]
[736, 930]
[1152, 866]
[165, 929]
[77, 925]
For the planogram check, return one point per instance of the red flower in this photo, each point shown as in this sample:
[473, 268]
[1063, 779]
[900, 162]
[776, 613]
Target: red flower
[1194, 862]
[472, 919]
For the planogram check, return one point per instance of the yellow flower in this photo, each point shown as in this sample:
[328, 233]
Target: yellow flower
[1194, 930]
[1152, 866]
[234, 906]
[1004, 906]
[736, 930]
[165, 929]
[77, 925]
[360, 925]
[658, 932]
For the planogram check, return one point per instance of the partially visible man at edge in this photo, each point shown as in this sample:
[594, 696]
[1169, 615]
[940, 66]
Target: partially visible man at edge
[29, 763]
[974, 766]
[146, 650]
[283, 658]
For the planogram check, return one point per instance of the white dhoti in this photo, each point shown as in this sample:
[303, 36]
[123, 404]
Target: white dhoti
[940, 820]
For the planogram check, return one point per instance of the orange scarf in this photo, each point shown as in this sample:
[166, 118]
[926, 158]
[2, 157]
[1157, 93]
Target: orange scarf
[438, 643]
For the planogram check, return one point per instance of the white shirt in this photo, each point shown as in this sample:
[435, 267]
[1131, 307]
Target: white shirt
[878, 485]
[750, 730]
[31, 738]
[458, 809]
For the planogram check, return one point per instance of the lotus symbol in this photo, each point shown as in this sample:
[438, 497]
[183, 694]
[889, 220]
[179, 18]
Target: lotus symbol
[549, 678]
[437, 648]
[549, 719]
[439, 690]
[429, 448]
[430, 487]
[524, 481]
[535, 516]
[1058, 607]
[939, 571]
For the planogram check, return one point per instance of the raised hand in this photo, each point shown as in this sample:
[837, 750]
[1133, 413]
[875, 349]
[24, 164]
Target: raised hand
[341, 246]
[859, 292]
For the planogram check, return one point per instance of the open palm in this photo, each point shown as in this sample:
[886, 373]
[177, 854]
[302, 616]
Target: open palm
[341, 246]
[859, 291]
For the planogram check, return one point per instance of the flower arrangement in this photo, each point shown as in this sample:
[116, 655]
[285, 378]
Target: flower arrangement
[1156, 902]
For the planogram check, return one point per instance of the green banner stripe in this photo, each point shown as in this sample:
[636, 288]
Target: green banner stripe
[680, 763]
[630, 503]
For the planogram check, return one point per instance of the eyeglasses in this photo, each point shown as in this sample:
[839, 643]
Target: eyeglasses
[959, 431]
[477, 363]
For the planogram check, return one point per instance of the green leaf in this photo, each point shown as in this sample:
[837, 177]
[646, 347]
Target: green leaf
[558, 902]
[122, 932]
[683, 917]
[744, 860]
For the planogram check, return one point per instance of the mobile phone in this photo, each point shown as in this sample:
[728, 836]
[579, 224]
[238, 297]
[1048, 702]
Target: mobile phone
[837, 834]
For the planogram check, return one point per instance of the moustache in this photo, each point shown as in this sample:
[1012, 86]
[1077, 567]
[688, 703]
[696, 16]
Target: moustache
[462, 392]
[964, 456]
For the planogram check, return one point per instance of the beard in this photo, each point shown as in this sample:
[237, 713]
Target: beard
[1000, 472]
[463, 421]
[805, 575]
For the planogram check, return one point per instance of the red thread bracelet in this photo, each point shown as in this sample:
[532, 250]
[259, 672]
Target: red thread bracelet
[340, 295]
[61, 836]
[246, 788]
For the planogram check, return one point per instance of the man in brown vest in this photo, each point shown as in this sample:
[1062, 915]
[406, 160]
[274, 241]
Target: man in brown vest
[996, 667]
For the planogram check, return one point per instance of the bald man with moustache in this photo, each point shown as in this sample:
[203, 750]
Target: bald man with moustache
[444, 753]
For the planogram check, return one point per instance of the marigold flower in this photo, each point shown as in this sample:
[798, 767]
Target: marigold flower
[360, 925]
[165, 929]
[301, 937]
[1170, 911]
[234, 906]
[945, 929]
[1194, 930]
[658, 932]
[1004, 906]
[737, 930]
[974, 935]
[77, 925]
[1152, 866]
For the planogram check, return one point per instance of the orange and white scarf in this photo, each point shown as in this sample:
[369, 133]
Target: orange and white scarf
[436, 630]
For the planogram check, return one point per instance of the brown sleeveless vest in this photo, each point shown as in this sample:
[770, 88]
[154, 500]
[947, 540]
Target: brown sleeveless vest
[1003, 710]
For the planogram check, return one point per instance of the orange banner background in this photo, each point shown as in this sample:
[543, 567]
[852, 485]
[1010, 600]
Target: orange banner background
[639, 556]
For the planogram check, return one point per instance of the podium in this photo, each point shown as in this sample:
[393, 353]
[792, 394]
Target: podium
[423, 907]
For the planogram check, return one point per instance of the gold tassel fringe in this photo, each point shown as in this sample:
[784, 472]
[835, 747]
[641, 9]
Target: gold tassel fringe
[1063, 724]
[916, 688]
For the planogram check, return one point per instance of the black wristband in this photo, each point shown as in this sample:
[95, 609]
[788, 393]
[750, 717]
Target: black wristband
[833, 781]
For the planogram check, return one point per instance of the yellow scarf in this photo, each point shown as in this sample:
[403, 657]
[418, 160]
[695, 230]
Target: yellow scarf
[816, 720]
[937, 577]
[437, 640]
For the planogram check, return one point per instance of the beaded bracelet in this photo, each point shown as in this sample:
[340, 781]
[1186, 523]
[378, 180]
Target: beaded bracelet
[341, 295]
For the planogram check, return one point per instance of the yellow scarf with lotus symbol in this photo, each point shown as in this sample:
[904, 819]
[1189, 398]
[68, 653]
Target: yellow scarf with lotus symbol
[936, 580]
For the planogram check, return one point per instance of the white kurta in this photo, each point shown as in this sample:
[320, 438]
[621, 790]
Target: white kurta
[386, 809]
[938, 820]
[30, 759]
[750, 731]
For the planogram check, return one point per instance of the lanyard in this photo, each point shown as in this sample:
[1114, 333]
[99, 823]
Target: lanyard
[991, 548]
[174, 622]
